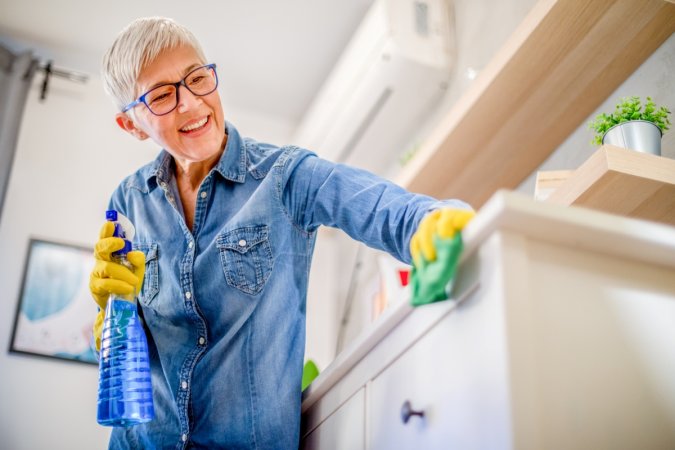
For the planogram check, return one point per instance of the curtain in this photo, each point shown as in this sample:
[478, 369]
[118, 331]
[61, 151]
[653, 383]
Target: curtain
[16, 74]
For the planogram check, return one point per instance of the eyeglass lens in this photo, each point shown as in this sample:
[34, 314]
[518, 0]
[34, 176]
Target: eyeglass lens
[163, 99]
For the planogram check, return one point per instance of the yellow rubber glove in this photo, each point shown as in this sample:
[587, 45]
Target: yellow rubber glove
[109, 277]
[435, 248]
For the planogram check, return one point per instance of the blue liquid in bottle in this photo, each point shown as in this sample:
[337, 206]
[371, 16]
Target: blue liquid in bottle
[125, 389]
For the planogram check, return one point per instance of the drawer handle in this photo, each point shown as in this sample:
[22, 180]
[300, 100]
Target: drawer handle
[407, 412]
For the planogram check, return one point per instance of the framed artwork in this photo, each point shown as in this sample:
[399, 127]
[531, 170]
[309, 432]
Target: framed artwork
[55, 311]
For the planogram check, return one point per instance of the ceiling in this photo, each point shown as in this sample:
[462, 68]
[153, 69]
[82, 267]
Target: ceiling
[272, 55]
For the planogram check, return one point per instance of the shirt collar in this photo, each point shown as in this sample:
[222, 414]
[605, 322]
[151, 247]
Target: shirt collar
[232, 163]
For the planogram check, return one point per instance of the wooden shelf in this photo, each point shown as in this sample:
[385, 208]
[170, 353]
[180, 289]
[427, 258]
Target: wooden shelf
[561, 63]
[623, 182]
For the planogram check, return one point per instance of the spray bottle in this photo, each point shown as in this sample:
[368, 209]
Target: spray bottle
[125, 389]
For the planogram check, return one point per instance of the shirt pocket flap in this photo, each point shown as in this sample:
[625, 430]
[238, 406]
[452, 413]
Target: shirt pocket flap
[243, 239]
[150, 250]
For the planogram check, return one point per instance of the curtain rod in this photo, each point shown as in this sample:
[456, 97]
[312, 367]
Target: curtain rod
[50, 70]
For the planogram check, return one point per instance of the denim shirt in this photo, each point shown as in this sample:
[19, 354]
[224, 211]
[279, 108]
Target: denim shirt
[224, 303]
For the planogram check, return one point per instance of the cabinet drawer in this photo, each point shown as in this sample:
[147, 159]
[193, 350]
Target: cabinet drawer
[456, 375]
[342, 430]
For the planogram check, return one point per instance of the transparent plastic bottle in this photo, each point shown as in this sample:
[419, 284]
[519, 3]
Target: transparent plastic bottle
[125, 389]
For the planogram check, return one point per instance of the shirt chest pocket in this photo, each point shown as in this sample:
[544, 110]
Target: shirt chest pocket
[246, 257]
[151, 279]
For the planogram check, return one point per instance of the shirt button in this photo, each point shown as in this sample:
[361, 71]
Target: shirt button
[203, 194]
[242, 243]
[202, 340]
[184, 384]
[188, 295]
[183, 437]
[163, 184]
[190, 244]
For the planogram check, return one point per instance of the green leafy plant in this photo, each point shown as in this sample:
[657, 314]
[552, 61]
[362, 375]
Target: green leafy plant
[630, 108]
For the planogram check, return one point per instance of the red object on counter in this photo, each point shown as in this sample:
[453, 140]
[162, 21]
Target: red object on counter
[404, 277]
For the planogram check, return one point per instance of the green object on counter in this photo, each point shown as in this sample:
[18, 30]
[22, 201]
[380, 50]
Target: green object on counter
[433, 281]
[309, 372]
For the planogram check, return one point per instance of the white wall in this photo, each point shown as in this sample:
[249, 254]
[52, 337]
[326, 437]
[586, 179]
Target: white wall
[70, 156]
[69, 159]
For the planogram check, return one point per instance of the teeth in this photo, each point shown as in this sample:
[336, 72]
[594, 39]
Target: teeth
[196, 125]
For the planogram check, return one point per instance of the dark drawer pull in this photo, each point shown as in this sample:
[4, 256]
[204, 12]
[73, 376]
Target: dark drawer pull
[407, 412]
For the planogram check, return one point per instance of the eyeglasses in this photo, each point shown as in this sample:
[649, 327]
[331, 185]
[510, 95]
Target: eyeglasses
[163, 99]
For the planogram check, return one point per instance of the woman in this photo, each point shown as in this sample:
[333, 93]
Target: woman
[225, 229]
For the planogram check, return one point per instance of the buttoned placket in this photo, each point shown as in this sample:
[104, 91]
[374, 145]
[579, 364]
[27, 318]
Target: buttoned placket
[167, 191]
[187, 277]
[183, 395]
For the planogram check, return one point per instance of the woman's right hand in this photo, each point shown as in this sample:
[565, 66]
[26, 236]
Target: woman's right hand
[109, 277]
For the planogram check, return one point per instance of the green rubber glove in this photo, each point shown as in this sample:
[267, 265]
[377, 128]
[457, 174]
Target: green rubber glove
[109, 277]
[436, 248]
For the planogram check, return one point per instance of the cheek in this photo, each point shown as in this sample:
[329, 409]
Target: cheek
[217, 107]
[164, 128]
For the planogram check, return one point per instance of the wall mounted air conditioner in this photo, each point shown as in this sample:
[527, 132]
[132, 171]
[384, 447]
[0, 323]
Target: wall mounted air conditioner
[390, 76]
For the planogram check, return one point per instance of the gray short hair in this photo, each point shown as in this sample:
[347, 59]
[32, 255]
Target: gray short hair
[138, 45]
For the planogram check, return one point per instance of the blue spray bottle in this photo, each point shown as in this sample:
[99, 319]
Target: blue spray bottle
[124, 389]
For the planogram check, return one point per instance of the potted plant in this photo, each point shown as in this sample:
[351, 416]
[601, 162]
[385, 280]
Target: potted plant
[632, 126]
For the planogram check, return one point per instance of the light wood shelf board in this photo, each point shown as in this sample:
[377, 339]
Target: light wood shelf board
[622, 182]
[564, 60]
[548, 181]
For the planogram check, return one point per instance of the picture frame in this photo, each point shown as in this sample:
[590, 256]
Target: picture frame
[55, 312]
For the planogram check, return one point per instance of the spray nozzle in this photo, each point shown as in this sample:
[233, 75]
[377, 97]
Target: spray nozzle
[123, 229]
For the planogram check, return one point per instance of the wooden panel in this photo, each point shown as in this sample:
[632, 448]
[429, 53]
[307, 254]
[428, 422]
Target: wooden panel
[562, 62]
[623, 182]
[548, 181]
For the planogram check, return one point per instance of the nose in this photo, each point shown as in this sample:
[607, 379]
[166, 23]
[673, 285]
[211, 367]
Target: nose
[186, 99]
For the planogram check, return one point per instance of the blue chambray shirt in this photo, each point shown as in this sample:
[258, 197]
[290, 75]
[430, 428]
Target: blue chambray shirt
[224, 303]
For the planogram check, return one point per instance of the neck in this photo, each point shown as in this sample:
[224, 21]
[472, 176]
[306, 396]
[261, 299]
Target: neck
[191, 173]
[189, 177]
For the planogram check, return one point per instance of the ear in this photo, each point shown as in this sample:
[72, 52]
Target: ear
[128, 125]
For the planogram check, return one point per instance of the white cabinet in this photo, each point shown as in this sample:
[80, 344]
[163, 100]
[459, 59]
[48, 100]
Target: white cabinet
[454, 375]
[560, 335]
[343, 429]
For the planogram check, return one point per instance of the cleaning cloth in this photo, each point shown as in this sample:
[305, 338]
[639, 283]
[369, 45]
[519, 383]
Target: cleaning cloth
[432, 281]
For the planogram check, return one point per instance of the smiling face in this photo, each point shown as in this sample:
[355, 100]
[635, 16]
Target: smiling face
[193, 132]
